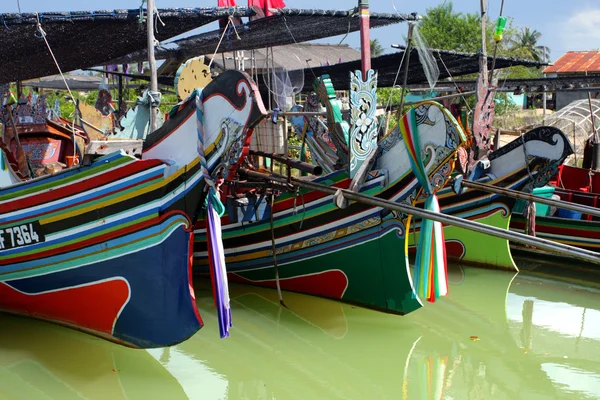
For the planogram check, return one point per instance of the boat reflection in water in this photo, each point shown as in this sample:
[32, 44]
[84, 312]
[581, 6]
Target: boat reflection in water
[474, 344]
[497, 336]
[40, 360]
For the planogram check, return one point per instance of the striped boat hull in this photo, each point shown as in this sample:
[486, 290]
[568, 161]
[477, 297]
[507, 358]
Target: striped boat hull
[354, 254]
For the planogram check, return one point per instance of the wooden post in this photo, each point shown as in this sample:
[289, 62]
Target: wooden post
[120, 104]
[152, 63]
[483, 69]
[365, 42]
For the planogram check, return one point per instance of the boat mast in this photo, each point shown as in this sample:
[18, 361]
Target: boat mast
[365, 43]
[152, 65]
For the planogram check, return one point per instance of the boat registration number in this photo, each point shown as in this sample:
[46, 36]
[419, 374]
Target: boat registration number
[20, 235]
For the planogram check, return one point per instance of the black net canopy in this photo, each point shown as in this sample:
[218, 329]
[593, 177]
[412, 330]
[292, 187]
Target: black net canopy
[450, 64]
[285, 27]
[87, 38]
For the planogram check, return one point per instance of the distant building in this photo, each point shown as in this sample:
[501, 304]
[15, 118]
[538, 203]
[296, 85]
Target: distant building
[574, 64]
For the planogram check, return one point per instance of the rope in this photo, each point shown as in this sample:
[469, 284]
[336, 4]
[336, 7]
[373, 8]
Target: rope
[219, 44]
[395, 80]
[200, 128]
[274, 247]
[43, 36]
[496, 46]
[453, 81]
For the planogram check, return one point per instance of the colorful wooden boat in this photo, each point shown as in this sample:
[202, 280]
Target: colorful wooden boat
[355, 254]
[105, 246]
[523, 164]
[576, 185]
[566, 227]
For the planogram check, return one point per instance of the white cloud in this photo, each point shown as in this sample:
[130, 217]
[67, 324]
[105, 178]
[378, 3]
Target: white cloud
[581, 31]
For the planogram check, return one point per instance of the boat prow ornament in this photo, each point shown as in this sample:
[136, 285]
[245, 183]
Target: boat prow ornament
[232, 107]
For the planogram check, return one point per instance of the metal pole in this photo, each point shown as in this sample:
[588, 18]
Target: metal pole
[365, 42]
[484, 187]
[550, 246]
[152, 64]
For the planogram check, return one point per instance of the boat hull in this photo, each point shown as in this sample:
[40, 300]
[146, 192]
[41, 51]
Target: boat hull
[527, 162]
[356, 253]
[91, 248]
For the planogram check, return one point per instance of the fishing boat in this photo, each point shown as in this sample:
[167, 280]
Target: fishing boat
[575, 185]
[354, 254]
[524, 164]
[92, 231]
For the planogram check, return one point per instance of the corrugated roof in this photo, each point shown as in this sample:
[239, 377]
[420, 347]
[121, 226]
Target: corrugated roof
[576, 62]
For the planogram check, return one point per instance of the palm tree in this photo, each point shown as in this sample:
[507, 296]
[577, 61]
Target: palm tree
[526, 41]
[376, 48]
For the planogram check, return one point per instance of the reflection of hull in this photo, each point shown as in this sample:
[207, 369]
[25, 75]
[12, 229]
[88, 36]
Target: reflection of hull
[322, 349]
[38, 359]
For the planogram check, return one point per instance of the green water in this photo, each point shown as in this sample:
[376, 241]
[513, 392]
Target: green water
[532, 338]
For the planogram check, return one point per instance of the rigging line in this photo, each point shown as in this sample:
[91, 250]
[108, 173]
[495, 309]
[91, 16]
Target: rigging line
[294, 39]
[348, 31]
[453, 81]
[19, 5]
[495, 47]
[395, 80]
[43, 35]
[219, 44]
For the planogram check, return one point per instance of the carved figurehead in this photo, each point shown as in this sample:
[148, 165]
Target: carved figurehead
[232, 107]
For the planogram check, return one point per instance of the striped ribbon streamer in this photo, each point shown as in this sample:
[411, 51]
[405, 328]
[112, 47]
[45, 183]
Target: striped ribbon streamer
[431, 271]
[216, 254]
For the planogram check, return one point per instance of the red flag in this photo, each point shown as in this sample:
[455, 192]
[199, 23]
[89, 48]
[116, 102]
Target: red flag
[226, 3]
[266, 4]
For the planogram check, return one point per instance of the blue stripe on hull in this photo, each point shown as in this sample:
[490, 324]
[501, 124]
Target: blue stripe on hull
[160, 311]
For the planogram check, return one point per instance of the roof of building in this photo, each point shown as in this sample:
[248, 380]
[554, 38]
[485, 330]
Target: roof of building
[75, 82]
[576, 62]
[294, 56]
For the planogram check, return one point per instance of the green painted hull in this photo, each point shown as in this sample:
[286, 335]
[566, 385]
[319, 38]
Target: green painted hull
[477, 248]
[349, 274]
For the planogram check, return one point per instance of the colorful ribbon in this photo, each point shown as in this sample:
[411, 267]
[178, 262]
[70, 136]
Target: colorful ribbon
[431, 271]
[216, 254]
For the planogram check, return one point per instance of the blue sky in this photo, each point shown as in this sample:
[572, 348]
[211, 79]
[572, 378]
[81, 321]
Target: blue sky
[565, 25]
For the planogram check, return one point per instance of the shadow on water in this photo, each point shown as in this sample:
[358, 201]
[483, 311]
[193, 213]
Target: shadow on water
[497, 336]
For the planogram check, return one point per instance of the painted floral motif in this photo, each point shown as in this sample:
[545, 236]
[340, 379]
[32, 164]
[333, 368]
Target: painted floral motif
[363, 101]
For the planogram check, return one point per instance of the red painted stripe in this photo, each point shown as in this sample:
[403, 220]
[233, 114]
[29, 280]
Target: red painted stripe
[102, 179]
[70, 205]
[308, 197]
[94, 307]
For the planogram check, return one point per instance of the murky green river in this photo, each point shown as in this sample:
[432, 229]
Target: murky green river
[498, 336]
